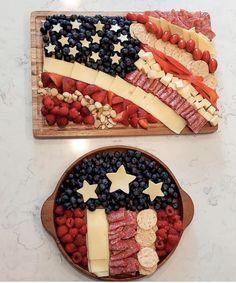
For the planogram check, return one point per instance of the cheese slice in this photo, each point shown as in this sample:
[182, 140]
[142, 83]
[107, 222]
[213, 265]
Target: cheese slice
[99, 265]
[205, 44]
[155, 21]
[194, 36]
[174, 29]
[57, 66]
[186, 34]
[164, 24]
[138, 96]
[84, 74]
[97, 235]
[104, 80]
[102, 273]
[122, 88]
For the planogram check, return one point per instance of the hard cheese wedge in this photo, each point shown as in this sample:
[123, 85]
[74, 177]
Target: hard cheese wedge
[122, 88]
[99, 265]
[104, 80]
[57, 66]
[84, 74]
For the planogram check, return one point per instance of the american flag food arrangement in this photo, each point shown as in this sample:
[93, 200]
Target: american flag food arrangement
[132, 72]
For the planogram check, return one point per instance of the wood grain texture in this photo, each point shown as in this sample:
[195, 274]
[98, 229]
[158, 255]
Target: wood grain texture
[40, 127]
[186, 209]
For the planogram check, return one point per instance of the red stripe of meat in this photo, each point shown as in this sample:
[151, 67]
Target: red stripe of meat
[141, 81]
[147, 84]
[130, 77]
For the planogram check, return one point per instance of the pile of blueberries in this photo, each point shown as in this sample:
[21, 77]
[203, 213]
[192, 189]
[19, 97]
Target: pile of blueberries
[94, 171]
[129, 52]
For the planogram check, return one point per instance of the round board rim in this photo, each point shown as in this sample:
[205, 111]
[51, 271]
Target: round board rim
[187, 210]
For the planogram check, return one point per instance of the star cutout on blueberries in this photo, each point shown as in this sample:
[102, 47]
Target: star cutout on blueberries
[154, 190]
[99, 26]
[118, 47]
[120, 180]
[73, 51]
[63, 40]
[50, 48]
[76, 25]
[123, 37]
[88, 191]
[115, 27]
[115, 59]
[85, 43]
[56, 27]
[95, 56]
[96, 38]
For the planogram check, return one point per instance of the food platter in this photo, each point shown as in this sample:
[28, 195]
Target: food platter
[190, 108]
[184, 211]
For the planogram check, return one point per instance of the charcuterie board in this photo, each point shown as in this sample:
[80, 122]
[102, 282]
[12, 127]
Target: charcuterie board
[150, 222]
[120, 116]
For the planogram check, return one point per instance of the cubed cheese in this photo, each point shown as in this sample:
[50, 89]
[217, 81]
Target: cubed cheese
[208, 116]
[185, 92]
[160, 74]
[141, 53]
[198, 97]
[172, 85]
[214, 121]
[152, 74]
[211, 109]
[169, 75]
[147, 56]
[201, 111]
[198, 104]
[206, 103]
[146, 68]
[139, 63]
[151, 62]
[191, 100]
[193, 91]
[175, 79]
[156, 67]
[179, 84]
[165, 80]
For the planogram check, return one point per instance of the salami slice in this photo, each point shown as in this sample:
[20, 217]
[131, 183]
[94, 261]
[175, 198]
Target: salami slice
[153, 86]
[130, 77]
[147, 84]
[171, 97]
[116, 216]
[124, 262]
[141, 81]
[126, 253]
[175, 102]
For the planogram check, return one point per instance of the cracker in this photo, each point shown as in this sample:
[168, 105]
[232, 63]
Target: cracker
[147, 257]
[185, 58]
[177, 53]
[199, 68]
[147, 271]
[146, 219]
[160, 45]
[169, 49]
[151, 39]
[211, 81]
[139, 32]
[145, 238]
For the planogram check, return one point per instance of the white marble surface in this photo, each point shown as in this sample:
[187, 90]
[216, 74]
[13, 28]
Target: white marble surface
[30, 168]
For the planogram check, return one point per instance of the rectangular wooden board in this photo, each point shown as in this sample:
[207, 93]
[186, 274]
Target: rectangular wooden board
[42, 130]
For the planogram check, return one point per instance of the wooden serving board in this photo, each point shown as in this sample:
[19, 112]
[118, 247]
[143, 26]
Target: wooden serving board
[186, 209]
[42, 130]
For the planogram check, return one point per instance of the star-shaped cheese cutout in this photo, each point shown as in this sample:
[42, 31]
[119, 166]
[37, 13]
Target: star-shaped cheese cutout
[63, 40]
[123, 37]
[118, 47]
[99, 26]
[50, 48]
[88, 191]
[120, 180]
[96, 38]
[76, 24]
[85, 43]
[154, 190]
[73, 51]
[56, 27]
[95, 56]
[115, 59]
[115, 27]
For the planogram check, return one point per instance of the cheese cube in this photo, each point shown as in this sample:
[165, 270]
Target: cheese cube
[156, 67]
[191, 100]
[179, 84]
[165, 80]
[147, 56]
[146, 68]
[206, 103]
[170, 76]
[151, 62]
[202, 111]
[141, 53]
[152, 74]
[185, 92]
[160, 74]
[139, 63]
[214, 121]
[208, 116]
[175, 79]
[211, 109]
[198, 97]
[193, 90]
[172, 85]
[198, 104]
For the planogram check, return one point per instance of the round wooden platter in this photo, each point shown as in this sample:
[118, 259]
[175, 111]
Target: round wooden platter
[186, 209]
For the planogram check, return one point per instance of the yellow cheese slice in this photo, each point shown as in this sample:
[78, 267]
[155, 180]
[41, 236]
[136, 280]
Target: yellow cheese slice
[102, 274]
[57, 66]
[122, 88]
[174, 29]
[104, 80]
[97, 235]
[99, 265]
[194, 36]
[84, 74]
[205, 44]
[186, 34]
[138, 96]
[164, 24]
[155, 21]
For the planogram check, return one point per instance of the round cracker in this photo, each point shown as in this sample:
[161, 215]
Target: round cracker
[177, 53]
[211, 81]
[169, 49]
[199, 68]
[145, 238]
[147, 219]
[131, 31]
[139, 32]
[185, 58]
[147, 257]
[160, 45]
[140, 230]
[155, 228]
[151, 39]
[147, 271]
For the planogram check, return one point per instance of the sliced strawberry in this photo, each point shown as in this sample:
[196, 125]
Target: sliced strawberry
[57, 79]
[127, 103]
[80, 86]
[68, 85]
[56, 101]
[151, 119]
[99, 96]
[52, 85]
[122, 118]
[142, 113]
[117, 100]
[143, 123]
[90, 89]
[45, 78]
[110, 95]
[118, 107]
[134, 121]
[132, 108]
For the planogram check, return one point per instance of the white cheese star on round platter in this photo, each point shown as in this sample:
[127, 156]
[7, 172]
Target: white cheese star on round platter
[76, 25]
[56, 27]
[73, 51]
[63, 40]
[50, 48]
[123, 37]
[154, 190]
[88, 191]
[115, 27]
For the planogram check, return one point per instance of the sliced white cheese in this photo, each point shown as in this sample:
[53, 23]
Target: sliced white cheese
[202, 111]
[174, 29]
[179, 84]
[165, 80]
[84, 74]
[139, 63]
[186, 34]
[146, 68]
[208, 116]
[147, 56]
[205, 44]
[138, 96]
[102, 273]
[122, 88]
[57, 66]
[99, 265]
[156, 21]
[214, 121]
[194, 36]
[152, 74]
[211, 109]
[104, 80]
[164, 24]
[156, 67]
[206, 103]
[172, 85]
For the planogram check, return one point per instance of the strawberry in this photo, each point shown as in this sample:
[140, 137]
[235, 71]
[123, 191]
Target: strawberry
[76, 105]
[73, 113]
[89, 120]
[62, 121]
[110, 95]
[74, 232]
[63, 111]
[80, 86]
[142, 113]
[84, 111]
[79, 213]
[117, 100]
[69, 213]
[79, 222]
[127, 103]
[100, 96]
[131, 109]
[45, 78]
[44, 111]
[78, 120]
[55, 110]
[68, 85]
[79, 240]
[83, 229]
[118, 107]
[122, 118]
[60, 220]
[56, 101]
[83, 250]
[90, 89]
[76, 257]
[70, 248]
[173, 240]
[62, 231]
[59, 210]
[51, 119]
[64, 104]
[70, 222]
[57, 79]
[134, 120]
[143, 123]
[67, 238]
[84, 262]
[48, 102]
[151, 119]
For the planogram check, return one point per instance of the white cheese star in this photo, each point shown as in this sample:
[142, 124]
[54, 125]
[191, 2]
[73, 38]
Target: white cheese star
[115, 27]
[120, 180]
[73, 51]
[50, 48]
[96, 38]
[56, 27]
[154, 190]
[76, 25]
[85, 43]
[63, 40]
[88, 191]
[99, 26]
[95, 56]
[118, 47]
[123, 37]
[115, 59]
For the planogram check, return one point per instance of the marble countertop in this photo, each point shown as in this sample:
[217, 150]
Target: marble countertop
[204, 165]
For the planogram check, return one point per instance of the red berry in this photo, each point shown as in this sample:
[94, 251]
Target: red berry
[62, 121]
[89, 120]
[162, 224]
[48, 103]
[73, 113]
[178, 225]
[83, 250]
[142, 18]
[78, 120]
[70, 248]
[170, 210]
[84, 111]
[84, 261]
[51, 119]
[79, 240]
[168, 248]
[74, 232]
[76, 105]
[70, 222]
[176, 217]
[132, 17]
[79, 222]
[78, 213]
[63, 111]
[161, 215]
[60, 220]
[162, 234]
[173, 240]
[69, 213]
[56, 101]
[161, 253]
[62, 231]
[83, 230]
[55, 110]
[44, 111]
[76, 257]
[59, 210]
[67, 238]
[160, 245]
[172, 231]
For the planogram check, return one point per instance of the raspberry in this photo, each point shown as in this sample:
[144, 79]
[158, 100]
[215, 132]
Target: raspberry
[70, 222]
[162, 224]
[83, 230]
[172, 231]
[161, 253]
[160, 245]
[70, 248]
[83, 250]
[62, 121]
[176, 217]
[170, 210]
[73, 113]
[60, 220]
[69, 213]
[173, 240]
[161, 215]
[76, 257]
[178, 225]
[74, 232]
[55, 110]
[59, 210]
[89, 120]
[44, 111]
[84, 111]
[78, 213]
[63, 111]
[62, 231]
[51, 119]
[162, 234]
[79, 240]
[67, 238]
[79, 222]
[76, 105]
[78, 120]
[84, 262]
[168, 248]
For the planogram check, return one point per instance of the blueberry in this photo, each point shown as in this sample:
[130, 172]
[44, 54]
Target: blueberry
[81, 36]
[175, 195]
[47, 25]
[43, 31]
[175, 205]
[66, 50]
